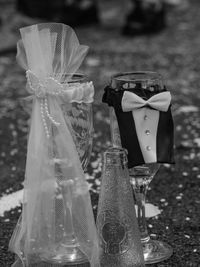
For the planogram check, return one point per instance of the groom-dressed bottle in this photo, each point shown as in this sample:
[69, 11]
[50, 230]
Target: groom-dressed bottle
[118, 231]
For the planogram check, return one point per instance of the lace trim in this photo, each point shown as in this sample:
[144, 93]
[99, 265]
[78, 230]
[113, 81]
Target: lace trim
[72, 92]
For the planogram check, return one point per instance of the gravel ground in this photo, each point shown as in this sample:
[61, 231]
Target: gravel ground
[175, 54]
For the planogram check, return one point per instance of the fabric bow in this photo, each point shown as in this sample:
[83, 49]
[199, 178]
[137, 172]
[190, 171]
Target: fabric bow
[160, 101]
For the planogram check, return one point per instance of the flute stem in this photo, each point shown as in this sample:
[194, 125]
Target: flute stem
[140, 201]
[68, 220]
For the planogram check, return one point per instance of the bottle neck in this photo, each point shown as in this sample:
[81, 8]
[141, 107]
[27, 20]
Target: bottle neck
[115, 156]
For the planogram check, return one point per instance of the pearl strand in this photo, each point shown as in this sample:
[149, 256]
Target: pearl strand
[29, 82]
[43, 118]
[48, 114]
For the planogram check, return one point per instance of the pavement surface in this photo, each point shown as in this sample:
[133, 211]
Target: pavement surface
[175, 54]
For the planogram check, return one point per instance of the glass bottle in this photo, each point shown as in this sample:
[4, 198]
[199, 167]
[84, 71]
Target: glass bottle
[117, 226]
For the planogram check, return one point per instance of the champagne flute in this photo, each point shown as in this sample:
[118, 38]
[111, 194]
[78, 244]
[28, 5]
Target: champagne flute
[140, 178]
[79, 119]
[141, 175]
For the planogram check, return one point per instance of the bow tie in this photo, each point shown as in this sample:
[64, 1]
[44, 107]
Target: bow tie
[160, 102]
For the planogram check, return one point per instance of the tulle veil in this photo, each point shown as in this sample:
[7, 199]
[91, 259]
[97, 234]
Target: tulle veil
[47, 52]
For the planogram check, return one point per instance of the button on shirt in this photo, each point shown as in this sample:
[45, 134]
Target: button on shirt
[146, 123]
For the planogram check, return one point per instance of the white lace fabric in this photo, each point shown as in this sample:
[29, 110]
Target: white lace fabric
[47, 52]
[71, 92]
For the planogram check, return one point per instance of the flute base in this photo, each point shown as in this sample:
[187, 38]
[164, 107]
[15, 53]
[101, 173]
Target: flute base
[65, 256]
[156, 251]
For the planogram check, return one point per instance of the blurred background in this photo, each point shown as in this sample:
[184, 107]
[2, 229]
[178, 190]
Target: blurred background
[127, 35]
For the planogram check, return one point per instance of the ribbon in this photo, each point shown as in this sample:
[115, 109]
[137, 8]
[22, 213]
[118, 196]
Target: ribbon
[160, 101]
